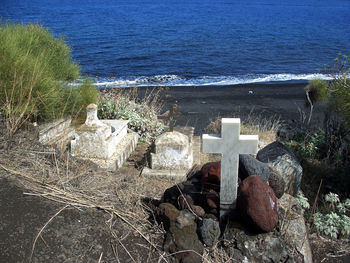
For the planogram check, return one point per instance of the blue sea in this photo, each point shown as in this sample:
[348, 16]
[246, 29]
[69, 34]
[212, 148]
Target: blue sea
[192, 42]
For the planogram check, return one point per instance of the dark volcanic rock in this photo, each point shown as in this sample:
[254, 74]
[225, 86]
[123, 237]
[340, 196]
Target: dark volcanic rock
[209, 230]
[285, 162]
[276, 182]
[248, 165]
[186, 202]
[172, 194]
[167, 213]
[182, 235]
[258, 203]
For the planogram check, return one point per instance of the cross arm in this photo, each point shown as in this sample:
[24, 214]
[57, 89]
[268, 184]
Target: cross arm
[249, 143]
[212, 143]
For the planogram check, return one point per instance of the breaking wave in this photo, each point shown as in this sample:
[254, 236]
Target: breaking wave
[176, 80]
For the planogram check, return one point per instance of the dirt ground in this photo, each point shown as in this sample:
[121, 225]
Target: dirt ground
[49, 214]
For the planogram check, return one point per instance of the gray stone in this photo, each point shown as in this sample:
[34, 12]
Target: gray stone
[248, 165]
[185, 201]
[209, 230]
[294, 229]
[261, 247]
[284, 161]
[173, 151]
[276, 182]
[185, 219]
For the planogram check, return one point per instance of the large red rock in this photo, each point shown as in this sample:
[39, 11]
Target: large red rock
[211, 175]
[257, 203]
[213, 199]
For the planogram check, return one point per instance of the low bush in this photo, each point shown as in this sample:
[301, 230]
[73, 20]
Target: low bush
[35, 71]
[142, 114]
[339, 87]
[334, 222]
[308, 144]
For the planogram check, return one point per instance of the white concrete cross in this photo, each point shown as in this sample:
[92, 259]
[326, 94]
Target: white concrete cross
[229, 145]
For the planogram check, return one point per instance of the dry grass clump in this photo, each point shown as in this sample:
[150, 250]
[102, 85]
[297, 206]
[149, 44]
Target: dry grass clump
[253, 123]
[152, 98]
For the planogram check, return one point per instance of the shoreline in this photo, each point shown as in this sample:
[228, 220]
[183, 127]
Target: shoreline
[201, 104]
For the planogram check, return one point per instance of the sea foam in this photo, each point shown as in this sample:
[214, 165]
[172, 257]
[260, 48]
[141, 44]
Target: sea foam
[175, 80]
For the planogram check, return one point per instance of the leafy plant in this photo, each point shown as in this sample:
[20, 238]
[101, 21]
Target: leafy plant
[307, 144]
[335, 223]
[35, 71]
[302, 201]
[142, 115]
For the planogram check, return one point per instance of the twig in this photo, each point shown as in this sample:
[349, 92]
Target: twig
[126, 250]
[315, 202]
[42, 229]
[115, 252]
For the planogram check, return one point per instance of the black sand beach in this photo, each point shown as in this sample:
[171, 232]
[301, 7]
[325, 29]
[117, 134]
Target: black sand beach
[201, 104]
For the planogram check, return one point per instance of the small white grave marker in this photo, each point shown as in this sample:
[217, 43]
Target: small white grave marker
[229, 145]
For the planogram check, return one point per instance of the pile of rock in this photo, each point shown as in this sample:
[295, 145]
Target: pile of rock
[190, 211]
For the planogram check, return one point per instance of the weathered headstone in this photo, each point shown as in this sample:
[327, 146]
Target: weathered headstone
[230, 144]
[174, 153]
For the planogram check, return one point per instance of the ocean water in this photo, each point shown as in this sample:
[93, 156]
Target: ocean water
[194, 42]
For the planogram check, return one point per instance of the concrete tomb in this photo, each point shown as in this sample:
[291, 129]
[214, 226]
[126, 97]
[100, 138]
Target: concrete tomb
[230, 144]
[105, 142]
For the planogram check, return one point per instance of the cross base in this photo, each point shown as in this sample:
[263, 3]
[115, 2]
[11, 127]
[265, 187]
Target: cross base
[225, 209]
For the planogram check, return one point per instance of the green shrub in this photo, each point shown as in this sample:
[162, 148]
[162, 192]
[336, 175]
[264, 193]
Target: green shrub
[308, 144]
[334, 223]
[318, 90]
[339, 87]
[142, 115]
[35, 69]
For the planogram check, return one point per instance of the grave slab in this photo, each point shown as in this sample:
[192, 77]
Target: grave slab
[58, 133]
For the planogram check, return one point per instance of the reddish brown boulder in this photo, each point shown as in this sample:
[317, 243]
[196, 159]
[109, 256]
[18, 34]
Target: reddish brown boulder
[211, 175]
[257, 203]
